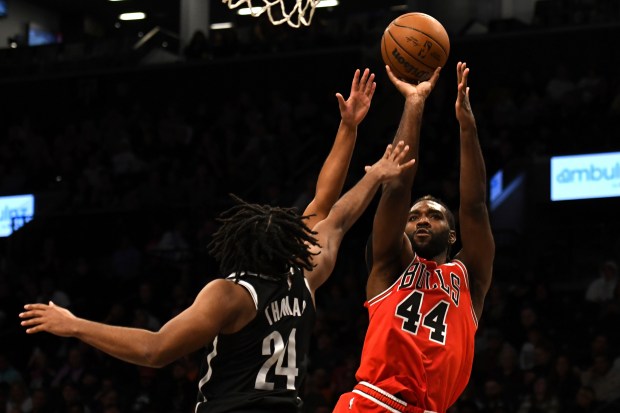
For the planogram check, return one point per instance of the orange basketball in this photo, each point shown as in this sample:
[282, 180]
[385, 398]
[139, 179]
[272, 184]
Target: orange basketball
[414, 45]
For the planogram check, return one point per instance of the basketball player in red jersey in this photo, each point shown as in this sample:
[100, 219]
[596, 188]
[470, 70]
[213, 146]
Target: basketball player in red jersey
[424, 306]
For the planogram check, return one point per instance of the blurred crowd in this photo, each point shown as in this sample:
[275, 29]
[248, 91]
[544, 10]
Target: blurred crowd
[130, 176]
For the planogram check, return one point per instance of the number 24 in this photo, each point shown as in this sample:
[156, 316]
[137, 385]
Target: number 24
[277, 357]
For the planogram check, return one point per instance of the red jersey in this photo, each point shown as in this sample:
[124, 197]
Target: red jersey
[420, 340]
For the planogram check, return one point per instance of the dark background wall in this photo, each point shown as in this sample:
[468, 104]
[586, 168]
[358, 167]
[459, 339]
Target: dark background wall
[130, 162]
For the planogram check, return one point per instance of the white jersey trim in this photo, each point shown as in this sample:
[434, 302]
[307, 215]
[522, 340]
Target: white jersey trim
[461, 265]
[377, 401]
[208, 375]
[464, 268]
[210, 357]
[388, 290]
[384, 393]
[307, 285]
[247, 286]
[385, 293]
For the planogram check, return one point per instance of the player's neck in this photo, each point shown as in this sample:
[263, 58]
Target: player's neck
[440, 259]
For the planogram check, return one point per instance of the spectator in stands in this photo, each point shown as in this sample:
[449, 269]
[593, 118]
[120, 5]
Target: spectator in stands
[584, 401]
[19, 399]
[73, 368]
[8, 373]
[603, 375]
[540, 399]
[40, 371]
[564, 379]
[603, 287]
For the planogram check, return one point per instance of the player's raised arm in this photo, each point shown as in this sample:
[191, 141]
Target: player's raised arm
[218, 306]
[350, 207]
[478, 246]
[392, 211]
[334, 171]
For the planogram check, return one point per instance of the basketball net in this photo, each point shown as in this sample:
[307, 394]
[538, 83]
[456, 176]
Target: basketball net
[300, 14]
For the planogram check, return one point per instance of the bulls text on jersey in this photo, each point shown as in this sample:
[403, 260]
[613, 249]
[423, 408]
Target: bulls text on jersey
[418, 275]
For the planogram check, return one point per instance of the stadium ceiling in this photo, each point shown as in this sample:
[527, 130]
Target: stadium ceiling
[103, 15]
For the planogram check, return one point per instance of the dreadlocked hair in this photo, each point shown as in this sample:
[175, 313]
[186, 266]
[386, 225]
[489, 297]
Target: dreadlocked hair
[262, 239]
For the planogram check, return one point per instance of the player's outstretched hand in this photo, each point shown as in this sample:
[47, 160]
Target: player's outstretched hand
[391, 164]
[354, 109]
[49, 318]
[464, 114]
[421, 89]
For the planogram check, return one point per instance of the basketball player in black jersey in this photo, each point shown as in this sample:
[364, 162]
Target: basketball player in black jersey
[235, 376]
[256, 323]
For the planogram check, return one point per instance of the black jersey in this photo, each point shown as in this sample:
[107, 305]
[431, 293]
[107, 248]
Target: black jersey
[261, 367]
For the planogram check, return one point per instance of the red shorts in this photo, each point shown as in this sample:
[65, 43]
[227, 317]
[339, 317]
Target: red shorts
[366, 398]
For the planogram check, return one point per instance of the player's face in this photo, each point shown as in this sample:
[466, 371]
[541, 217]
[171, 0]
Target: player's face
[428, 229]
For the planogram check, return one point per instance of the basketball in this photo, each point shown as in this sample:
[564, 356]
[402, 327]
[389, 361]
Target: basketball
[414, 45]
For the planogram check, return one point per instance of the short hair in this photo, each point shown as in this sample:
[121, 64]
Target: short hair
[262, 239]
[449, 214]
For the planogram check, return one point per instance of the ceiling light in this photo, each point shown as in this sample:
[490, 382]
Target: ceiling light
[399, 7]
[255, 11]
[132, 16]
[327, 3]
[220, 26]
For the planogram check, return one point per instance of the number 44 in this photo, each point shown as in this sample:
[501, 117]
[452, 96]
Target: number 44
[434, 320]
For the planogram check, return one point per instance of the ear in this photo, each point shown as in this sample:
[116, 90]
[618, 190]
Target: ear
[452, 237]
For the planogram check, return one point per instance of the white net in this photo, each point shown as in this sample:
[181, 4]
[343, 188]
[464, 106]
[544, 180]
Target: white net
[279, 11]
